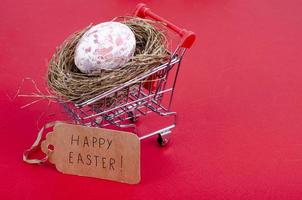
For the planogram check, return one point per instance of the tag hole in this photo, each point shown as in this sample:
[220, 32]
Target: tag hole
[50, 147]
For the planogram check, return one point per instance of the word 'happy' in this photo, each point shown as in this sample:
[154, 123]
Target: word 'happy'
[91, 142]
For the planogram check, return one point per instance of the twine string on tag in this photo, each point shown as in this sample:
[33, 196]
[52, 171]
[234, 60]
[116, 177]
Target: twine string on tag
[36, 144]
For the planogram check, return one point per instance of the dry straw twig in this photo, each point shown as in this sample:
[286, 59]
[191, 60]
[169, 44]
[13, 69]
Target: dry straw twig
[68, 83]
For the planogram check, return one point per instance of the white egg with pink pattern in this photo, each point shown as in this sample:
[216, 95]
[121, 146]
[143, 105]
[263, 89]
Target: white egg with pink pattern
[105, 46]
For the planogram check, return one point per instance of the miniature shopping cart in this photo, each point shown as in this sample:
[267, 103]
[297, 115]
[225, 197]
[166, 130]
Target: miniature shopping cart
[142, 98]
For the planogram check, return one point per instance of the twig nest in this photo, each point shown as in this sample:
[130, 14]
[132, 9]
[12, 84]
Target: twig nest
[67, 82]
[104, 46]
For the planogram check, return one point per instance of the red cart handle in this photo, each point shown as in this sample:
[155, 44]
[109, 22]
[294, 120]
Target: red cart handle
[188, 37]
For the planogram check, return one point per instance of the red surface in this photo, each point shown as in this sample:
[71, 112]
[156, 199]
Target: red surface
[239, 99]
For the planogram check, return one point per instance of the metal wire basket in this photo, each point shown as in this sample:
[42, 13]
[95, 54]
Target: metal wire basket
[141, 97]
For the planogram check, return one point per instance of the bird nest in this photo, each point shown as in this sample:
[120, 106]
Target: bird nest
[69, 84]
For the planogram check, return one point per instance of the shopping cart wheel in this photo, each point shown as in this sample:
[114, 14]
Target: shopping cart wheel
[132, 118]
[162, 140]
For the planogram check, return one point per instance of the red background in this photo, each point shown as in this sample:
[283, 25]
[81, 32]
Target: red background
[239, 99]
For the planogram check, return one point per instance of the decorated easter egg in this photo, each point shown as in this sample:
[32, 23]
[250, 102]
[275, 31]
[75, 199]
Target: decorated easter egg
[104, 46]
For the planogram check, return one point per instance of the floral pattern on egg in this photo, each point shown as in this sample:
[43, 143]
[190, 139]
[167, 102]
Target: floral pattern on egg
[104, 46]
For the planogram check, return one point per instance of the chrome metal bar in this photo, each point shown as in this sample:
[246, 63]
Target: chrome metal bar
[157, 132]
[175, 79]
[106, 111]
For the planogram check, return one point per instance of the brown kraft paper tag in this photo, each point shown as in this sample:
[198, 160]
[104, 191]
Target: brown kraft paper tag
[94, 152]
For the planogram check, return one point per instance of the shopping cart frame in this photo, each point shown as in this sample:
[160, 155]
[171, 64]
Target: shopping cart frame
[139, 97]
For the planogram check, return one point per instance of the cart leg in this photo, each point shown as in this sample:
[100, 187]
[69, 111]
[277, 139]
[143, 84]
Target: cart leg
[163, 138]
[132, 116]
